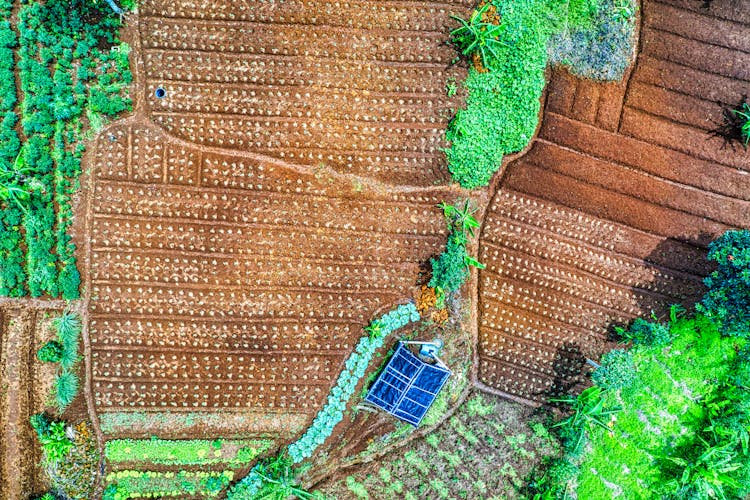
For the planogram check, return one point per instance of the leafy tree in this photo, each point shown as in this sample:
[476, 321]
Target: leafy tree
[55, 442]
[728, 297]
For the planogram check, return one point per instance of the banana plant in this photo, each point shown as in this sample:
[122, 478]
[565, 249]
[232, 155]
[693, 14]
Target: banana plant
[17, 182]
[588, 412]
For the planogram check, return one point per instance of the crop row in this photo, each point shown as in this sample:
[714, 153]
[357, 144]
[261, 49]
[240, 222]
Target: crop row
[361, 14]
[283, 40]
[266, 135]
[126, 484]
[305, 335]
[292, 102]
[198, 238]
[263, 70]
[247, 207]
[134, 267]
[185, 452]
[204, 395]
[262, 367]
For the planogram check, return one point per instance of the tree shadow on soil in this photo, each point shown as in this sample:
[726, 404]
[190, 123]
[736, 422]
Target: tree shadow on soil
[678, 267]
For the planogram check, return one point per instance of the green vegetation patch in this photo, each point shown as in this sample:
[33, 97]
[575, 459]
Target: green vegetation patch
[186, 452]
[664, 414]
[483, 451]
[73, 74]
[502, 106]
[126, 484]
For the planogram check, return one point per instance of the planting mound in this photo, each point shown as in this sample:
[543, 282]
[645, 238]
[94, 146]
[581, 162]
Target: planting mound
[240, 232]
[608, 216]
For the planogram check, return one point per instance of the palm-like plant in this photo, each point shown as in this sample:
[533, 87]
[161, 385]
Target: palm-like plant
[477, 35]
[709, 474]
[278, 480]
[17, 182]
[588, 411]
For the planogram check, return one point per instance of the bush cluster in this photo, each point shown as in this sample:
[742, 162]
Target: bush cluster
[602, 48]
[354, 369]
[617, 370]
[66, 75]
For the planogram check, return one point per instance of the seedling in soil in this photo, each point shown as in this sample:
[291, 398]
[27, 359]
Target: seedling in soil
[736, 125]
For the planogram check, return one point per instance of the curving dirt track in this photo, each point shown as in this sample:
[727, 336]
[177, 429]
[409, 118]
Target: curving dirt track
[244, 228]
[608, 215]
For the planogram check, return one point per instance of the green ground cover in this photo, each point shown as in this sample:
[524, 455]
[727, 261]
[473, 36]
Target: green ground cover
[234, 452]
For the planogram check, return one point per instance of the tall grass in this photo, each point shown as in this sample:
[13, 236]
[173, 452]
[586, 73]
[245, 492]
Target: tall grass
[66, 388]
[68, 326]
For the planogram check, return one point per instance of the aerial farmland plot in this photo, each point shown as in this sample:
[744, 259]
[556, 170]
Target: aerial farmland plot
[374, 249]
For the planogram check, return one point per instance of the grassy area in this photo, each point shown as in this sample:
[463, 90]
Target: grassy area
[484, 451]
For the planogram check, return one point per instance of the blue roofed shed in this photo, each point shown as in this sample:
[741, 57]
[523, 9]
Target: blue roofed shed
[407, 386]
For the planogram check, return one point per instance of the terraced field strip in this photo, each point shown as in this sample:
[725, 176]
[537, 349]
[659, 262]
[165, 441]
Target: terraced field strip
[357, 86]
[16, 445]
[601, 223]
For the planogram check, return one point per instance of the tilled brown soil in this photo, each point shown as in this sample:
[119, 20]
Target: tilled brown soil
[609, 214]
[25, 385]
[244, 229]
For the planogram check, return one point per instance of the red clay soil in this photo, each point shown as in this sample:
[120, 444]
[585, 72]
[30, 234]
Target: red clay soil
[247, 226]
[609, 214]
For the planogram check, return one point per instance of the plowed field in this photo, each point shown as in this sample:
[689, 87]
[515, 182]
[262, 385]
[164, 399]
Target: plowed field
[608, 215]
[244, 228]
[25, 385]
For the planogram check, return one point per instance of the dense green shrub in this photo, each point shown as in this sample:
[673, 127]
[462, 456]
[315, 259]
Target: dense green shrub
[55, 442]
[617, 370]
[451, 269]
[115, 491]
[602, 48]
[728, 297]
[647, 333]
[51, 352]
